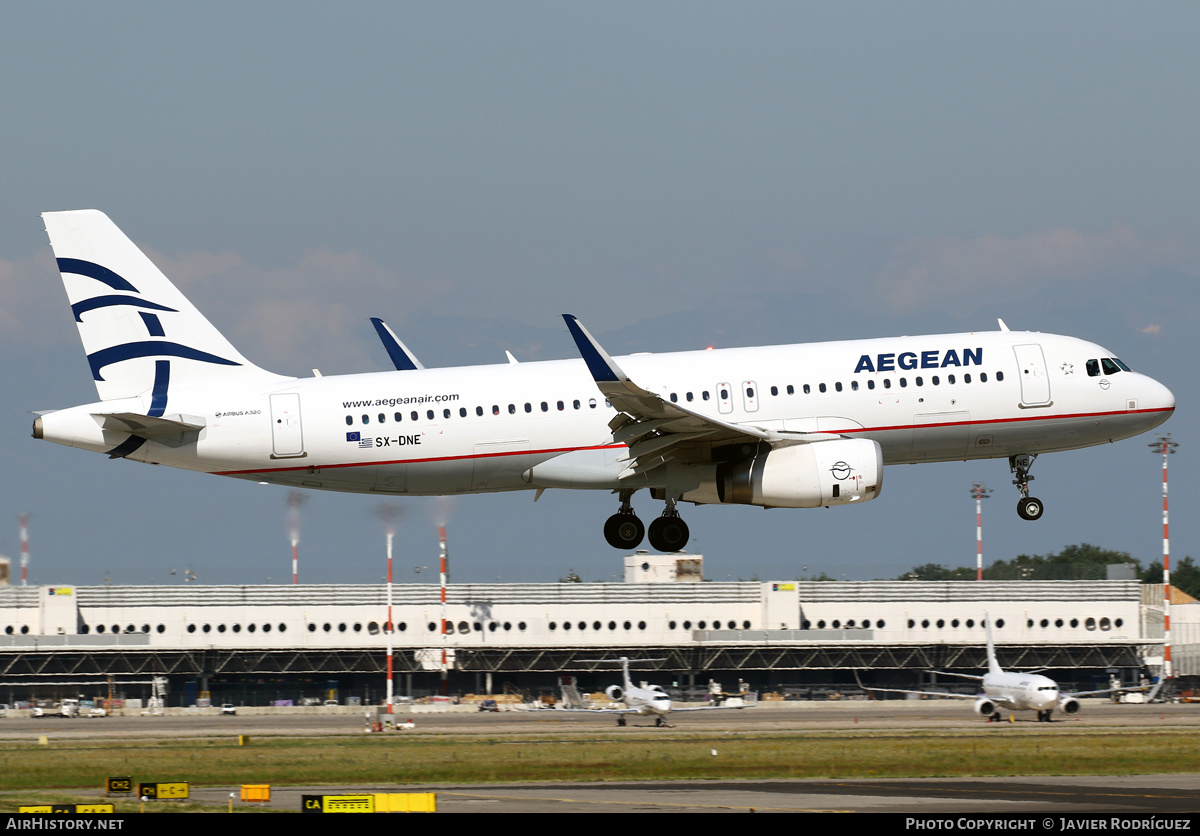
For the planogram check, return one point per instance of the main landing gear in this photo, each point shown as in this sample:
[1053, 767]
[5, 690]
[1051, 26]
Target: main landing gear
[623, 530]
[1028, 508]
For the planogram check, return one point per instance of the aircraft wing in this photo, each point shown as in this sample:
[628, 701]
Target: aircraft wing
[582, 710]
[1107, 691]
[403, 359]
[655, 429]
[976, 677]
[711, 708]
[949, 694]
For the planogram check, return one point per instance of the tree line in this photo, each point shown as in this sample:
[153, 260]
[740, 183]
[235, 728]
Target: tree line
[1081, 562]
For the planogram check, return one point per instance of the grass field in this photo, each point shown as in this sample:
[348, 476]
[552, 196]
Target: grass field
[361, 761]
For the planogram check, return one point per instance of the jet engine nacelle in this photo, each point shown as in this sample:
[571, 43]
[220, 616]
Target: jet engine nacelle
[614, 693]
[805, 475]
[985, 707]
[1068, 706]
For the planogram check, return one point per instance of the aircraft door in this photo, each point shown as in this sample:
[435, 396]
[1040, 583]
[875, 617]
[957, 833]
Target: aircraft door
[724, 398]
[287, 437]
[1035, 381]
[750, 395]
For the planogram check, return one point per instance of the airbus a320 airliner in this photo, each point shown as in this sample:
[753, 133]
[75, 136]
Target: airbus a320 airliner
[788, 426]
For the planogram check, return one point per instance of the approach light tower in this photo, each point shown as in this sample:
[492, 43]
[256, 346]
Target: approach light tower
[1165, 446]
[981, 492]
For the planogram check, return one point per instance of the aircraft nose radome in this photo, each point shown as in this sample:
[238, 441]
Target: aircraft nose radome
[1159, 396]
[1168, 397]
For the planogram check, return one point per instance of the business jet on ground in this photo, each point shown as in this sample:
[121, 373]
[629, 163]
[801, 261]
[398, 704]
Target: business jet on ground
[791, 426]
[644, 700]
[1013, 691]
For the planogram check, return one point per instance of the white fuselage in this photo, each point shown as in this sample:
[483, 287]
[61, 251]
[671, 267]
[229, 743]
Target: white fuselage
[1021, 691]
[495, 428]
[647, 701]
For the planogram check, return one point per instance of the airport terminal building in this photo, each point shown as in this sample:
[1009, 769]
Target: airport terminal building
[256, 644]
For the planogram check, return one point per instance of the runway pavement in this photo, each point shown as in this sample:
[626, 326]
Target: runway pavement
[1042, 797]
[767, 717]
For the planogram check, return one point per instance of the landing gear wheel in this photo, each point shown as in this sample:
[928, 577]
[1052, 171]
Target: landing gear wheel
[658, 722]
[669, 534]
[1029, 508]
[620, 721]
[624, 531]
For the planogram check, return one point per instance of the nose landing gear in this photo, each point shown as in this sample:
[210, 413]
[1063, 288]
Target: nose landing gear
[1028, 508]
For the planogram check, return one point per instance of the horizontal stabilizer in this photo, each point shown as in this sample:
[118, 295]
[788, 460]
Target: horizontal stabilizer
[147, 426]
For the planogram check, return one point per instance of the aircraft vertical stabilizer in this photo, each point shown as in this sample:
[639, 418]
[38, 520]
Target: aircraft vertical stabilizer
[993, 664]
[141, 335]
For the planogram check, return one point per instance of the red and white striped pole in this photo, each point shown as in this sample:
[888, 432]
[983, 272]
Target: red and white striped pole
[444, 577]
[981, 492]
[1166, 446]
[388, 626]
[24, 523]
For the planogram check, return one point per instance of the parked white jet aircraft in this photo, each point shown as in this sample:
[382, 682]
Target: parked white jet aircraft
[793, 426]
[646, 701]
[1012, 691]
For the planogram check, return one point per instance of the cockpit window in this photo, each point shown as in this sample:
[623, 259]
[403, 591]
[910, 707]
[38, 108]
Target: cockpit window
[1106, 365]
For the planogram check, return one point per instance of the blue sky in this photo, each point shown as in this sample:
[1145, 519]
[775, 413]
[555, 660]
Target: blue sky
[676, 174]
